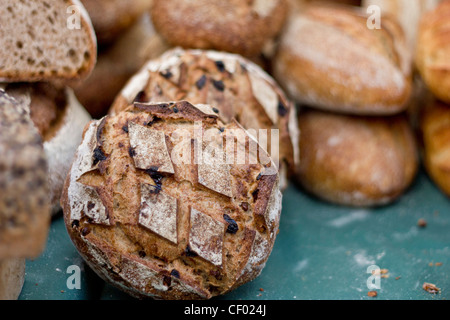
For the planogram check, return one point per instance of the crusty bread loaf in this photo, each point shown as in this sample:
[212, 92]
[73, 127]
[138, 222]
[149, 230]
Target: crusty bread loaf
[407, 13]
[117, 63]
[112, 17]
[60, 120]
[435, 134]
[12, 277]
[237, 26]
[356, 161]
[39, 42]
[156, 208]
[328, 58]
[235, 86]
[433, 50]
[24, 201]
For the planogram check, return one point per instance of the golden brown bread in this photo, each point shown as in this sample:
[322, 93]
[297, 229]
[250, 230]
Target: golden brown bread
[235, 86]
[328, 58]
[433, 50]
[237, 26]
[435, 134]
[356, 161]
[112, 17]
[117, 63]
[156, 208]
[59, 119]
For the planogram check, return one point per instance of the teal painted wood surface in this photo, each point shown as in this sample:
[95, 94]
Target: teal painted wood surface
[322, 252]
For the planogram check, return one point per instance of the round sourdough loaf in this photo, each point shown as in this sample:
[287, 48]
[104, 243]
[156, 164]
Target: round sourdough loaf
[328, 58]
[433, 50]
[24, 201]
[60, 120]
[155, 206]
[236, 87]
[117, 63]
[356, 161]
[243, 27]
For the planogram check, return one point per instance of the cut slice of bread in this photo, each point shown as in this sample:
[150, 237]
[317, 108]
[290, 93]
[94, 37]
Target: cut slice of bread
[51, 40]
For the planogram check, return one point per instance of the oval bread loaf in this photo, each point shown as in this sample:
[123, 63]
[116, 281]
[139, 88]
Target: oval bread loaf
[156, 208]
[236, 87]
[356, 161]
[328, 58]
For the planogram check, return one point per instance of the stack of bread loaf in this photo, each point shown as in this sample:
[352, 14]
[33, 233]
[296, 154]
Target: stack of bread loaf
[41, 123]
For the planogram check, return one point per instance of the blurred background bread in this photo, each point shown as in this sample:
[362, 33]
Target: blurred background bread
[407, 12]
[356, 161]
[24, 190]
[112, 17]
[12, 278]
[234, 26]
[433, 50]
[235, 86]
[37, 45]
[329, 59]
[117, 63]
[60, 120]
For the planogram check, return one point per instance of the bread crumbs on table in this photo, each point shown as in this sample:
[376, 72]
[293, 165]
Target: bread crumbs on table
[438, 264]
[398, 278]
[431, 288]
[372, 294]
[261, 289]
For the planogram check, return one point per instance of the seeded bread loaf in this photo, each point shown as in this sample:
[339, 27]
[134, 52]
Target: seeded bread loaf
[49, 40]
[236, 87]
[112, 17]
[356, 161]
[329, 59]
[12, 277]
[433, 50]
[24, 201]
[60, 120]
[117, 63]
[156, 208]
[237, 26]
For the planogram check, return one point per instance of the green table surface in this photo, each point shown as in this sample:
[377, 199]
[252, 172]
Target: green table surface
[322, 252]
